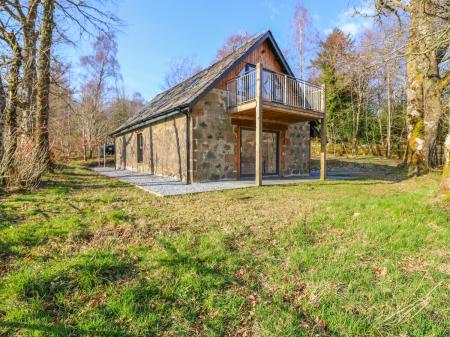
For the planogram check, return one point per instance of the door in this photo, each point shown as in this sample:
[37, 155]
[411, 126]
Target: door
[270, 152]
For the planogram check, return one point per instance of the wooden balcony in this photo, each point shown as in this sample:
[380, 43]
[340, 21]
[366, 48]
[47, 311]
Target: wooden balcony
[285, 99]
[264, 99]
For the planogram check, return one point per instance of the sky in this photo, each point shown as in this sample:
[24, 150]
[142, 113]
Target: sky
[157, 32]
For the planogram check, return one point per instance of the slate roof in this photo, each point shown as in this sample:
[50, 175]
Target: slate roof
[186, 93]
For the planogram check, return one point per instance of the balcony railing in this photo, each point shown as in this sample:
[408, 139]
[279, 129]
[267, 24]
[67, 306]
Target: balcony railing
[277, 88]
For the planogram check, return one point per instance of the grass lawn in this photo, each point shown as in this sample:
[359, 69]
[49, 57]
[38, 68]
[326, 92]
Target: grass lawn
[86, 255]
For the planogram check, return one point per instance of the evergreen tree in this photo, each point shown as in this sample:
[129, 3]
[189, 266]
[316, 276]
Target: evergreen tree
[332, 56]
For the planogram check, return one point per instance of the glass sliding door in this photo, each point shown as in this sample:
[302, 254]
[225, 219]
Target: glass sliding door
[270, 151]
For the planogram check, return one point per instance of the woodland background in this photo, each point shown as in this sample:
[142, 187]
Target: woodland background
[387, 89]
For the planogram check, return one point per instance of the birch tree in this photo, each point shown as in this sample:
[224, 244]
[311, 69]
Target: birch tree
[303, 36]
[101, 67]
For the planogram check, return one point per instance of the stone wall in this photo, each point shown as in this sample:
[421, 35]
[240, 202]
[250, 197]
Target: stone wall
[213, 139]
[164, 149]
[126, 151]
[296, 150]
[213, 146]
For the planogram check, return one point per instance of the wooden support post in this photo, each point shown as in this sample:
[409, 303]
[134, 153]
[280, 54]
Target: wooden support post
[259, 126]
[323, 146]
[238, 151]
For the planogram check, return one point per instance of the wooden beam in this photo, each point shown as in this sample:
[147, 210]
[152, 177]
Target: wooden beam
[293, 111]
[249, 124]
[251, 118]
[238, 152]
[242, 107]
[259, 125]
[323, 145]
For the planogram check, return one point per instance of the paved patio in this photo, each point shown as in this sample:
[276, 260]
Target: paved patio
[164, 186]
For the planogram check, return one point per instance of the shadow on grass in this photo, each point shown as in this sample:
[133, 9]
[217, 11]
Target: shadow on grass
[176, 260]
[8, 215]
[62, 330]
[359, 170]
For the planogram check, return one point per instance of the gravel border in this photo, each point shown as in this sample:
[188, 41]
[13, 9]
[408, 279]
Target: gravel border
[166, 186]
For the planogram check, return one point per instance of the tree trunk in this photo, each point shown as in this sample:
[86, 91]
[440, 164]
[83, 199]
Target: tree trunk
[445, 182]
[29, 69]
[389, 112]
[423, 90]
[43, 84]
[300, 45]
[2, 109]
[84, 145]
[380, 126]
[10, 123]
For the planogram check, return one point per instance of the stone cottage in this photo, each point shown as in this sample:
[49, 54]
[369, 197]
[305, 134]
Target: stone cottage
[245, 115]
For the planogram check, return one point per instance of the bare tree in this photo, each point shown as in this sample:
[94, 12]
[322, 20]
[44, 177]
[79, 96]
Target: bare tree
[2, 109]
[303, 34]
[101, 67]
[233, 42]
[381, 48]
[180, 70]
[26, 16]
[7, 165]
[427, 50]
[123, 107]
[28, 64]
[43, 84]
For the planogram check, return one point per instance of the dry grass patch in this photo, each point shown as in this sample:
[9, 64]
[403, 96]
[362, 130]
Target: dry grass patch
[87, 255]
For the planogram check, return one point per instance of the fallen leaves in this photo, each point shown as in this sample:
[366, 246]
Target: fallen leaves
[380, 272]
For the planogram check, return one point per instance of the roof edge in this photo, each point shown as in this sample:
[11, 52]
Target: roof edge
[264, 36]
[148, 121]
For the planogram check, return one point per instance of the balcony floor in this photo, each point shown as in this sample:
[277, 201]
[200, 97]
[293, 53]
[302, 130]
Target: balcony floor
[275, 113]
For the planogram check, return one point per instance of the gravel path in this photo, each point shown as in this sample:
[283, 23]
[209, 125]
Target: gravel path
[164, 186]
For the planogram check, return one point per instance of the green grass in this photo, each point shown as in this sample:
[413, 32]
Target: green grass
[89, 256]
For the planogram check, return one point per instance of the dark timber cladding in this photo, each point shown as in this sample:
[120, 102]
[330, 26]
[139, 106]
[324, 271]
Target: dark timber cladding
[191, 131]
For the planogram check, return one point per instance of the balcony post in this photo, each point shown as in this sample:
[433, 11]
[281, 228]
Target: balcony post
[259, 126]
[323, 146]
[285, 89]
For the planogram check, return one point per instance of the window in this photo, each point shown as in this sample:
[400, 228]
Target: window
[247, 68]
[140, 148]
[246, 86]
